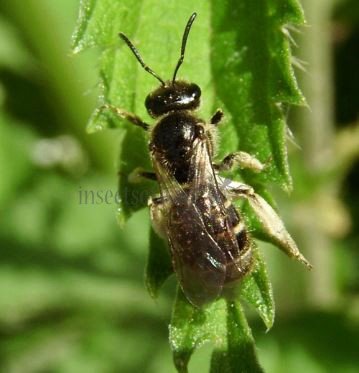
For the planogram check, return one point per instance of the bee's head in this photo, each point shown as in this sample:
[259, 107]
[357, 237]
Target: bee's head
[173, 94]
[177, 95]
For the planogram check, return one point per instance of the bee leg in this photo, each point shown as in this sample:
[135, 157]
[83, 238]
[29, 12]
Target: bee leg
[134, 119]
[242, 159]
[271, 223]
[158, 210]
[217, 117]
[138, 175]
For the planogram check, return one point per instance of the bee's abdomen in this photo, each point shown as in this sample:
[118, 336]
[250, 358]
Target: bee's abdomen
[225, 225]
[238, 227]
[242, 259]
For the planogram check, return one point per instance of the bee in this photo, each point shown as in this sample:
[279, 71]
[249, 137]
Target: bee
[210, 246]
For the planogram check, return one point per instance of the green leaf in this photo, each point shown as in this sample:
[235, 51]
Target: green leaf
[251, 59]
[256, 289]
[133, 153]
[191, 327]
[159, 265]
[239, 356]
[239, 54]
[222, 323]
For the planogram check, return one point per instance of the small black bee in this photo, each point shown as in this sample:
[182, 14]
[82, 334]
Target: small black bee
[210, 246]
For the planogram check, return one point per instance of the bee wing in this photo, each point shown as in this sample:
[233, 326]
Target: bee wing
[170, 188]
[205, 180]
[206, 183]
[199, 262]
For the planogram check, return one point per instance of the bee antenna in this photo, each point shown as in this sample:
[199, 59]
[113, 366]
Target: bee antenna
[138, 57]
[184, 42]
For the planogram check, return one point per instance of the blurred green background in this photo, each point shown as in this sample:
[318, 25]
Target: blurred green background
[72, 297]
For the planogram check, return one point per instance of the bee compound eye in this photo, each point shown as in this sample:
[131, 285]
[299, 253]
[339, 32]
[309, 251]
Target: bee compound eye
[195, 91]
